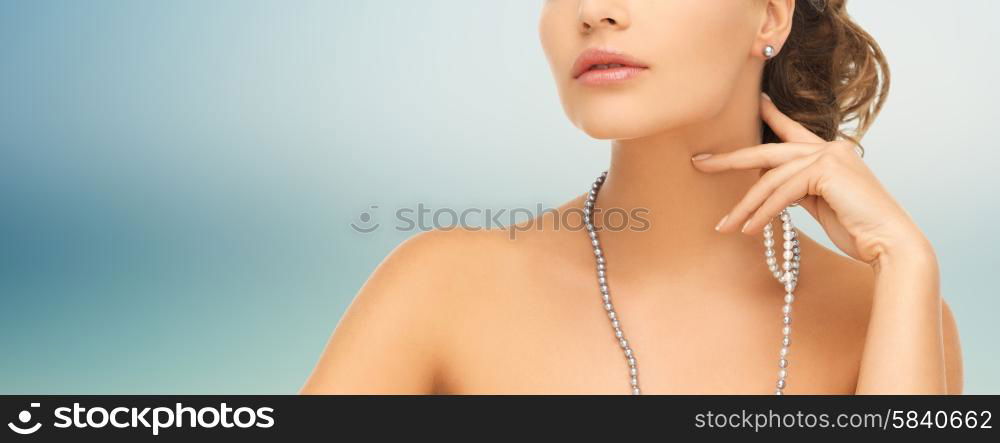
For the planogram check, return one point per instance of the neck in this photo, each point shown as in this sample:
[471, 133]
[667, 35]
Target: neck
[682, 204]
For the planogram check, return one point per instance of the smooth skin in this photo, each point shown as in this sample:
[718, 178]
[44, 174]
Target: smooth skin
[518, 311]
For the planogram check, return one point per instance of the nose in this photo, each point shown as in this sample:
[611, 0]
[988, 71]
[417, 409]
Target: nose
[609, 14]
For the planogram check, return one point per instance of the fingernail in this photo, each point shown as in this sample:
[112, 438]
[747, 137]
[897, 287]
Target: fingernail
[721, 222]
[764, 94]
[744, 228]
[701, 156]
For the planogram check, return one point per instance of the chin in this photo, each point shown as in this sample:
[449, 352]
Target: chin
[604, 125]
[621, 120]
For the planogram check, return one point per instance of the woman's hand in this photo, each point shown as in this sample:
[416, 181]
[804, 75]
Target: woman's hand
[828, 179]
[909, 327]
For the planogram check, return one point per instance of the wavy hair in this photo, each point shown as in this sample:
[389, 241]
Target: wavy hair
[829, 74]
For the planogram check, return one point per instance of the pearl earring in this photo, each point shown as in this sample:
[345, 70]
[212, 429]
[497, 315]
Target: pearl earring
[768, 51]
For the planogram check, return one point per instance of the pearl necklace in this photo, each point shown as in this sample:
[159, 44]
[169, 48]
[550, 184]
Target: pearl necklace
[787, 274]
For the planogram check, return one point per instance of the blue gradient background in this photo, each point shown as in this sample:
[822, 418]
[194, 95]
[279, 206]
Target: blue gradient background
[178, 178]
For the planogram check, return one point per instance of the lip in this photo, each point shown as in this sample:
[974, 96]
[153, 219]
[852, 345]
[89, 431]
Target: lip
[630, 66]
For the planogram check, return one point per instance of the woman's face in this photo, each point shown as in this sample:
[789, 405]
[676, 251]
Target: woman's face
[694, 51]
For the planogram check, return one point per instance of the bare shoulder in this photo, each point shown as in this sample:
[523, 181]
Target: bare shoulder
[844, 290]
[842, 284]
[458, 265]
[837, 291]
[390, 338]
[432, 259]
[952, 350]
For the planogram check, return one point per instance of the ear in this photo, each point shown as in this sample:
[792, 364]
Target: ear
[775, 26]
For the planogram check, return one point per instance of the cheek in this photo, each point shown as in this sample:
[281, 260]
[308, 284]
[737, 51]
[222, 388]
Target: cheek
[704, 58]
[696, 63]
[559, 39]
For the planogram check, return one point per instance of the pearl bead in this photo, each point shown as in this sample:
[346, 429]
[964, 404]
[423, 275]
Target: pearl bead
[782, 373]
[783, 363]
[787, 309]
[607, 306]
[772, 260]
[788, 235]
[789, 298]
[786, 341]
[786, 330]
[784, 351]
[635, 391]
[781, 384]
[787, 320]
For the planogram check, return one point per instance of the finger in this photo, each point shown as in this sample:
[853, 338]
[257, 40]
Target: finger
[761, 190]
[792, 189]
[768, 155]
[784, 126]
